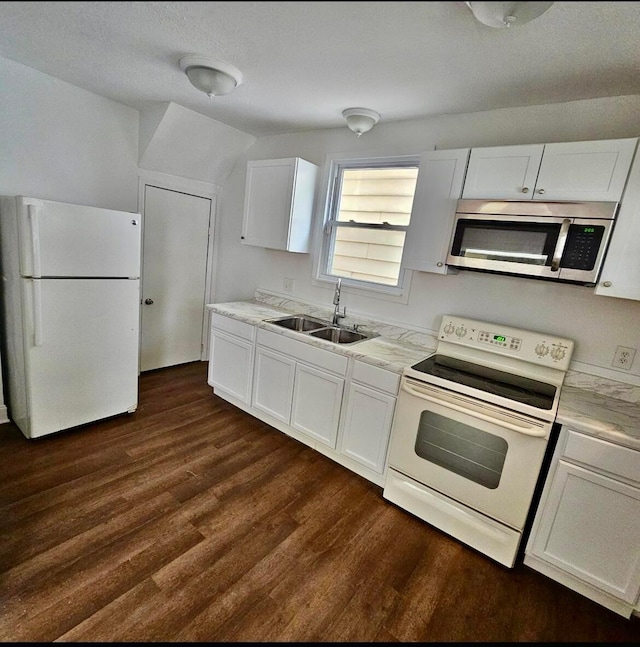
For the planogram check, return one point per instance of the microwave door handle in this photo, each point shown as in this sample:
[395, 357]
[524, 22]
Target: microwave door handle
[562, 241]
[527, 431]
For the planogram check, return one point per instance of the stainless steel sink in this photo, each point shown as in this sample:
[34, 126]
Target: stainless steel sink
[319, 328]
[339, 335]
[300, 323]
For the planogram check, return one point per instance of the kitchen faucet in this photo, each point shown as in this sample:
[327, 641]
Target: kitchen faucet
[336, 302]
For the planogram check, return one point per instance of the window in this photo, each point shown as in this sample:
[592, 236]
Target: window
[367, 216]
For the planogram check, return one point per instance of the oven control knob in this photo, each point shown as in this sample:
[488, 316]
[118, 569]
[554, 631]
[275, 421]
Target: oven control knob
[558, 352]
[541, 350]
[461, 331]
[449, 328]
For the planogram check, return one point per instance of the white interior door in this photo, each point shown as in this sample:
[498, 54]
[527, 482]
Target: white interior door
[174, 277]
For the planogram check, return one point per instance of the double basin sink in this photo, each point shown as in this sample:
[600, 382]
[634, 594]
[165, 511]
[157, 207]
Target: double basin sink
[321, 329]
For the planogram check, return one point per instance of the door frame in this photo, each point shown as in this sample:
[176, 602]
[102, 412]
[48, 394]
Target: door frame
[198, 189]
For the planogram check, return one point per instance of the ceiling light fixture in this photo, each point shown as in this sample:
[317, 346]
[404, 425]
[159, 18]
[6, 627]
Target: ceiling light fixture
[360, 120]
[507, 14]
[211, 76]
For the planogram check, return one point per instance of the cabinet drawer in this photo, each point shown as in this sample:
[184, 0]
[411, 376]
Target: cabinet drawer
[378, 378]
[303, 351]
[602, 455]
[234, 326]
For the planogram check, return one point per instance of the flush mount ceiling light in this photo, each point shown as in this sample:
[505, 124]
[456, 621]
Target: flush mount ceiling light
[360, 120]
[507, 14]
[211, 76]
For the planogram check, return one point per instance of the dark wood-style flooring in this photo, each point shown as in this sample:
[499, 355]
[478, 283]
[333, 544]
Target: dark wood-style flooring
[189, 520]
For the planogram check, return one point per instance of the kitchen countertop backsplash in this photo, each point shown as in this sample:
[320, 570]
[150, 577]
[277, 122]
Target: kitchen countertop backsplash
[588, 403]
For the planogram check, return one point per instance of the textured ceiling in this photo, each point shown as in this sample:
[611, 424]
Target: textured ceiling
[305, 62]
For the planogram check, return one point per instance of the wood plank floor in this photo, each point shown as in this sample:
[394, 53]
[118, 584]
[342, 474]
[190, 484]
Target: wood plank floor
[189, 520]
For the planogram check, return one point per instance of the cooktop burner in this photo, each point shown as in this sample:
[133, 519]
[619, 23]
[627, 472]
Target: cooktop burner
[514, 387]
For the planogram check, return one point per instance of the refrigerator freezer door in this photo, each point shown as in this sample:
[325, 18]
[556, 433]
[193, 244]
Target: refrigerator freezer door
[58, 239]
[81, 351]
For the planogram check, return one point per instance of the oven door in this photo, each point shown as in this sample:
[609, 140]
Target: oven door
[483, 456]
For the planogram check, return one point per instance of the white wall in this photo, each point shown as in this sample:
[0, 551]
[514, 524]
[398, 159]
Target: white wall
[185, 143]
[59, 142]
[597, 324]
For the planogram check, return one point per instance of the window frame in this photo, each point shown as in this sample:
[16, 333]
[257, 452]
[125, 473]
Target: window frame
[330, 225]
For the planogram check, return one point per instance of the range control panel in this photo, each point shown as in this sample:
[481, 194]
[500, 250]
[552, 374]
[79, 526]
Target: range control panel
[527, 345]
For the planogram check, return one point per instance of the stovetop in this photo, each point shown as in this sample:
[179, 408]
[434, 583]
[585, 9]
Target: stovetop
[515, 368]
[507, 385]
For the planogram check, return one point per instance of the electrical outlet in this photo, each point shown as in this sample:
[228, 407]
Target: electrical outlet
[288, 285]
[623, 357]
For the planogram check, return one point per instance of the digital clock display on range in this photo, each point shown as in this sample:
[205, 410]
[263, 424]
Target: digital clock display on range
[500, 338]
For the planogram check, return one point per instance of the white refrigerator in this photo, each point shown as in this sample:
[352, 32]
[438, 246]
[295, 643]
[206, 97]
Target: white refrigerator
[71, 304]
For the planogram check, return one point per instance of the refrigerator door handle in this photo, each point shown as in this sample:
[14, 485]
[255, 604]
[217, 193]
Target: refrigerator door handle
[35, 240]
[37, 313]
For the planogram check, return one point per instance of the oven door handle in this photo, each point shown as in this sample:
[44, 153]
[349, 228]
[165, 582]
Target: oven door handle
[527, 431]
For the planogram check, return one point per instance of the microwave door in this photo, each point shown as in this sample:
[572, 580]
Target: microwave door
[501, 244]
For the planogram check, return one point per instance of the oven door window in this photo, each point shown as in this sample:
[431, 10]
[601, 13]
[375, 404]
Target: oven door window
[469, 452]
[529, 243]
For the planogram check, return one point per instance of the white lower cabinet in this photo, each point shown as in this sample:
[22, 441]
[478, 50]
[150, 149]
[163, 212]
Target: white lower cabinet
[273, 379]
[586, 529]
[341, 407]
[299, 385]
[368, 415]
[317, 398]
[231, 357]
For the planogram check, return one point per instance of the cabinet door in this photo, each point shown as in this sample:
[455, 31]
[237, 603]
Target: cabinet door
[589, 528]
[273, 384]
[278, 205]
[439, 186]
[267, 208]
[620, 276]
[503, 172]
[230, 365]
[317, 399]
[367, 427]
[590, 171]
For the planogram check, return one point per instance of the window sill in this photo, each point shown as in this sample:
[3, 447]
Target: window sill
[392, 294]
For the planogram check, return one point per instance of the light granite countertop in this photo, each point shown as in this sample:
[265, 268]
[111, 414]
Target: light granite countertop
[384, 351]
[601, 415]
[586, 405]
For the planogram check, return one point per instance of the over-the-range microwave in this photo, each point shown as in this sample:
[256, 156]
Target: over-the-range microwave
[561, 241]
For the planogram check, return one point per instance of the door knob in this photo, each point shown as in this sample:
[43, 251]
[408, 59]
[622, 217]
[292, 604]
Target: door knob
[148, 301]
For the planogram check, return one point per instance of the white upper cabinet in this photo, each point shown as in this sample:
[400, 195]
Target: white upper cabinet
[278, 206]
[620, 275]
[503, 172]
[584, 171]
[439, 186]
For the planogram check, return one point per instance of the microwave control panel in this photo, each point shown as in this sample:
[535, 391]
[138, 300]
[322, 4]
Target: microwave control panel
[583, 245]
[527, 345]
